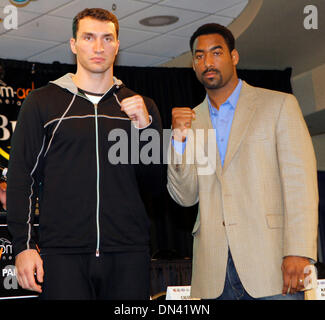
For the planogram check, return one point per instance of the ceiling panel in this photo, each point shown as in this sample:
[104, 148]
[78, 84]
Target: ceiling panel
[129, 37]
[23, 17]
[45, 28]
[123, 7]
[12, 47]
[57, 29]
[207, 6]
[61, 53]
[233, 11]
[188, 30]
[39, 6]
[161, 45]
[150, 1]
[185, 17]
[137, 59]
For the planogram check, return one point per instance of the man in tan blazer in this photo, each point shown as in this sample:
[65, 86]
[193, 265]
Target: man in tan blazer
[248, 160]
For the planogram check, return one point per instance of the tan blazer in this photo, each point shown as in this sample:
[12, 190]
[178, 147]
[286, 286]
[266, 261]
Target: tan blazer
[263, 203]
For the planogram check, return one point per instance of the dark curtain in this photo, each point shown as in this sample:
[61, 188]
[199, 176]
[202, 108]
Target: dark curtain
[169, 87]
[171, 224]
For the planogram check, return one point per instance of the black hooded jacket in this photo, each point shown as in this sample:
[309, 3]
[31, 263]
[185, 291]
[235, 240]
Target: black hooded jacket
[61, 153]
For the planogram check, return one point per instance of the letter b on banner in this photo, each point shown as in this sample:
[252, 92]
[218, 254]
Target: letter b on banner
[5, 135]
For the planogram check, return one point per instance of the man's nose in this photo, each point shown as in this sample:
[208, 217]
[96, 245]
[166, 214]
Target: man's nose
[209, 61]
[98, 46]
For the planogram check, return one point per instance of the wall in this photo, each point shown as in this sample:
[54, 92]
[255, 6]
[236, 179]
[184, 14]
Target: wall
[309, 88]
[319, 146]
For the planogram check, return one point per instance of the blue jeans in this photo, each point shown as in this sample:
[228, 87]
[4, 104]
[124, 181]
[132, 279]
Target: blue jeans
[234, 289]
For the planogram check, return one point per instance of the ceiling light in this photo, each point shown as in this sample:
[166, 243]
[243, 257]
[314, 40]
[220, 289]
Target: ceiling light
[20, 3]
[159, 21]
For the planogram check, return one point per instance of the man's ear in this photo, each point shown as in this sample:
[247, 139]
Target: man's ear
[73, 45]
[193, 61]
[235, 57]
[118, 47]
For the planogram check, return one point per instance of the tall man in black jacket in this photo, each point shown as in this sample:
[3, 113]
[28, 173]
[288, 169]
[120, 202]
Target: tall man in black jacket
[93, 228]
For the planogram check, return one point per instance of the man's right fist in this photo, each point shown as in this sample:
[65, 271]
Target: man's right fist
[181, 122]
[3, 194]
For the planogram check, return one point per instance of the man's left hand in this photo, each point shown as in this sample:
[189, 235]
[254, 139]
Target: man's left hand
[293, 273]
[136, 110]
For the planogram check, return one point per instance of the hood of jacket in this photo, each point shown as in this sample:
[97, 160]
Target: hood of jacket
[66, 82]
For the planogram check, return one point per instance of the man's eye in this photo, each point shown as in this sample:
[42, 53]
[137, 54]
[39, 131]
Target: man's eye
[217, 53]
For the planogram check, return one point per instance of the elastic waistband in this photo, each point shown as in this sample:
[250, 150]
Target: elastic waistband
[47, 251]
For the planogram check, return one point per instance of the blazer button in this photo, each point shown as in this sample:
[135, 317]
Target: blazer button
[223, 223]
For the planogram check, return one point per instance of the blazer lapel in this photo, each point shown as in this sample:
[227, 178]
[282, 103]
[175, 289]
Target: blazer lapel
[244, 112]
[203, 121]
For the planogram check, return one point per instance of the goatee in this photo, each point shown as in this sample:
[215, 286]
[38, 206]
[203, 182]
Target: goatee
[214, 83]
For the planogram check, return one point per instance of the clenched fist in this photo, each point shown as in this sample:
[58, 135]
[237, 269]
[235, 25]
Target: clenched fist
[3, 194]
[136, 110]
[181, 122]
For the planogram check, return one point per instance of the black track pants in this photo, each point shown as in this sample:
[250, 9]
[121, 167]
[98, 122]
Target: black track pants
[111, 276]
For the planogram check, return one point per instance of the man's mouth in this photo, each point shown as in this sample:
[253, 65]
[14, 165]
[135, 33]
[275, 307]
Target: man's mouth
[210, 73]
[97, 59]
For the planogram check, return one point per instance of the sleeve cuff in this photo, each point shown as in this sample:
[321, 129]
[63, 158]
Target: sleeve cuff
[150, 122]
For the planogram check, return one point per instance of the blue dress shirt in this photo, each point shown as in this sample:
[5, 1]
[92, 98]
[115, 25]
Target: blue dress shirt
[221, 121]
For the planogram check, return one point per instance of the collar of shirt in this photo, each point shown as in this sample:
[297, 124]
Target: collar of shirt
[222, 120]
[231, 101]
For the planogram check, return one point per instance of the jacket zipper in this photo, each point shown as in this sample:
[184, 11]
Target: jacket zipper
[97, 183]
[97, 179]
[97, 168]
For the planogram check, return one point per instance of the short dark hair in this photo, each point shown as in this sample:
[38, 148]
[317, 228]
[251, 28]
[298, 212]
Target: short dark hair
[97, 14]
[214, 28]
